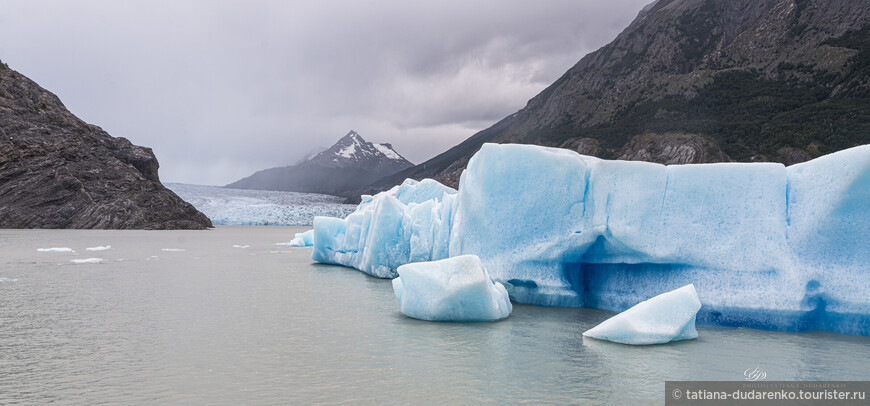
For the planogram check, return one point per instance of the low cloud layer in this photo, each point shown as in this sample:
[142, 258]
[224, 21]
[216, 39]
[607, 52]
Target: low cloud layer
[221, 89]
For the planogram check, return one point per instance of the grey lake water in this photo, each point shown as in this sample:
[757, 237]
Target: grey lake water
[235, 319]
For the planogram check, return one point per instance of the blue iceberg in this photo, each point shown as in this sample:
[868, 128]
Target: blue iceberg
[453, 289]
[664, 318]
[408, 223]
[766, 246]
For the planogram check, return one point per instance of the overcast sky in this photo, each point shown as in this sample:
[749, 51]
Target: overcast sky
[220, 89]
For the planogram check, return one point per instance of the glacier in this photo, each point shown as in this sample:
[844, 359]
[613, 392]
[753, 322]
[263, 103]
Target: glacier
[227, 206]
[661, 319]
[452, 289]
[765, 246]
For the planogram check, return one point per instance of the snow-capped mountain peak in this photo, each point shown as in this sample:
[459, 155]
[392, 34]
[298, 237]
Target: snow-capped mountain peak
[353, 150]
[351, 144]
[342, 169]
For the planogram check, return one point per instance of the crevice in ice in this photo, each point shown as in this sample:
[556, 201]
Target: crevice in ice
[526, 283]
[665, 192]
[787, 204]
[586, 189]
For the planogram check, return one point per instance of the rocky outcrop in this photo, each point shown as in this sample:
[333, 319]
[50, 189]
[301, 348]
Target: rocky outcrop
[693, 81]
[672, 149]
[56, 171]
[584, 146]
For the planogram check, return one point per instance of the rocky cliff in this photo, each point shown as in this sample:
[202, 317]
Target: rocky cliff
[694, 81]
[56, 171]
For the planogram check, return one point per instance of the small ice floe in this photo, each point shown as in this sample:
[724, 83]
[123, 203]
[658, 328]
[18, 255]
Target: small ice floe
[285, 244]
[88, 261]
[241, 246]
[99, 248]
[666, 317]
[153, 258]
[305, 239]
[7, 280]
[55, 249]
[452, 289]
[173, 249]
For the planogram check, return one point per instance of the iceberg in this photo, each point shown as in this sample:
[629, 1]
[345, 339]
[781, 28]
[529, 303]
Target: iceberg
[453, 289]
[408, 223]
[55, 249]
[664, 318]
[99, 248]
[88, 261]
[766, 246]
[305, 239]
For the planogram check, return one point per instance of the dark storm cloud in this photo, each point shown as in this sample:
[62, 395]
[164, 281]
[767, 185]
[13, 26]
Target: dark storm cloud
[220, 89]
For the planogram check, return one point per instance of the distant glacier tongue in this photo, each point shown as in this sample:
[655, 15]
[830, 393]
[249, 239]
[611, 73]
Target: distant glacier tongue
[766, 246]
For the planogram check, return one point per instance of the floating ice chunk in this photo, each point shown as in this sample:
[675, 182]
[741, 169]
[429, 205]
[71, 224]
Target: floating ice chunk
[8, 280]
[173, 249]
[241, 246]
[55, 249]
[99, 248]
[88, 261]
[454, 289]
[305, 239]
[666, 317]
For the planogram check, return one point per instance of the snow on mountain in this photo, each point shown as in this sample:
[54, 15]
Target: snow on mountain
[387, 150]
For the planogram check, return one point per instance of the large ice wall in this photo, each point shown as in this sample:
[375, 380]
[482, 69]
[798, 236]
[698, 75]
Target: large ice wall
[766, 246]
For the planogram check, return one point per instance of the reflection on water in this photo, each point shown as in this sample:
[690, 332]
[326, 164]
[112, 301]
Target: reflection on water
[215, 324]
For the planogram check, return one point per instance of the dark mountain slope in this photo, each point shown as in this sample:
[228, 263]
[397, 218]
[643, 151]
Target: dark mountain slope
[57, 171]
[693, 81]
